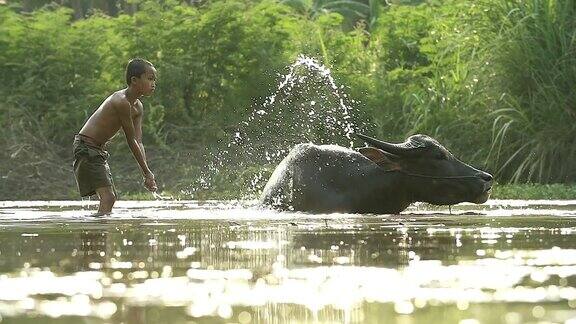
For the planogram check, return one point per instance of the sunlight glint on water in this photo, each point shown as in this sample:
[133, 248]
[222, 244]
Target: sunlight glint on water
[185, 261]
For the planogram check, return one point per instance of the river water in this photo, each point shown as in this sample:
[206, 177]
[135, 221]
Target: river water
[226, 262]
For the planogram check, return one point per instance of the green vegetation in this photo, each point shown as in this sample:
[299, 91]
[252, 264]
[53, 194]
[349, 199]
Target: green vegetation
[494, 80]
[534, 191]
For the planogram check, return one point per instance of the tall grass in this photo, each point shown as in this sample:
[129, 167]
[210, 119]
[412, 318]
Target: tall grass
[500, 89]
[534, 136]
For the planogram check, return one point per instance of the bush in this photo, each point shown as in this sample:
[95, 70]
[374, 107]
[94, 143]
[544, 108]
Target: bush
[491, 79]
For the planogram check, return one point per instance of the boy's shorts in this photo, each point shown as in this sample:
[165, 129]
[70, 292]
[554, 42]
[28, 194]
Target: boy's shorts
[91, 167]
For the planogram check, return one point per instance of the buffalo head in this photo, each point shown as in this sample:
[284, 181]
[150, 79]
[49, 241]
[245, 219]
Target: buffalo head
[432, 174]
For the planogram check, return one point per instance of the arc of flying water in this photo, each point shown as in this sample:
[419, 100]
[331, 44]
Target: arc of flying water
[337, 122]
[290, 79]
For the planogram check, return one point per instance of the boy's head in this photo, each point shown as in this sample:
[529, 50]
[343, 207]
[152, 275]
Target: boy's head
[141, 76]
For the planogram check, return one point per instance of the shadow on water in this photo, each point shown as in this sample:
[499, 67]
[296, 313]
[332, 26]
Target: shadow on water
[182, 262]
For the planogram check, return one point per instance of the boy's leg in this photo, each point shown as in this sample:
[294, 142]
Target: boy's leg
[107, 199]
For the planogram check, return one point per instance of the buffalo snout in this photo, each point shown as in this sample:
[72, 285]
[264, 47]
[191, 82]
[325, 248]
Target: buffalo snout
[486, 188]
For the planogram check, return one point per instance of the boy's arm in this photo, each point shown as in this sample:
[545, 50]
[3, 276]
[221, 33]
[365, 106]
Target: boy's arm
[125, 114]
[149, 181]
[138, 132]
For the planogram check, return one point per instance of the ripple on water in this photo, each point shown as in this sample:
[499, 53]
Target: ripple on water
[205, 291]
[233, 263]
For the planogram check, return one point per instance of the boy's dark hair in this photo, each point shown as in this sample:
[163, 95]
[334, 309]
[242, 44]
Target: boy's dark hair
[136, 67]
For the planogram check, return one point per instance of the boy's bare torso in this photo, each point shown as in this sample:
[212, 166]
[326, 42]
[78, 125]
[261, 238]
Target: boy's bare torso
[105, 122]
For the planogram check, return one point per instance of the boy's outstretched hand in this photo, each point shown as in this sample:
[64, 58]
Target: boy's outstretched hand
[150, 183]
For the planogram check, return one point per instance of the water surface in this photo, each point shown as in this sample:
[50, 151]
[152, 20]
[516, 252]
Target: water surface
[225, 262]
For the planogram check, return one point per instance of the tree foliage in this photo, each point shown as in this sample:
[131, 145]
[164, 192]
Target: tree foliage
[492, 79]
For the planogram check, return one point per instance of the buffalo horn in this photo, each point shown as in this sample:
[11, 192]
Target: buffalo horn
[403, 149]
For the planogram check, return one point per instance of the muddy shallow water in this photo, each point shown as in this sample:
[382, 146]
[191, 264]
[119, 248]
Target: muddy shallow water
[223, 262]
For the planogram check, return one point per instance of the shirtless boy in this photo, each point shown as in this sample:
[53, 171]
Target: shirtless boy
[122, 109]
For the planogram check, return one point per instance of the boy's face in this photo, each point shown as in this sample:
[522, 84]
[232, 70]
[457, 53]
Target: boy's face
[146, 83]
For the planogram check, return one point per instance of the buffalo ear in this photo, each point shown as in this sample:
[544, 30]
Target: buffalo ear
[379, 157]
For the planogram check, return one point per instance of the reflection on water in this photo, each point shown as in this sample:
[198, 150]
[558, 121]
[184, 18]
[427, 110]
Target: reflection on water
[184, 262]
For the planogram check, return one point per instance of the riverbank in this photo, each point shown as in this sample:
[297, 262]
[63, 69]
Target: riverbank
[500, 191]
[534, 191]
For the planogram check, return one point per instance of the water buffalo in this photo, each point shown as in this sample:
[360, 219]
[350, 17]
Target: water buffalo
[382, 178]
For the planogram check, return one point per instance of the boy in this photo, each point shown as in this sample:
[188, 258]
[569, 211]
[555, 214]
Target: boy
[122, 109]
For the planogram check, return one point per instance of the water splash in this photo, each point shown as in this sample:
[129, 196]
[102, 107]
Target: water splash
[307, 106]
[336, 115]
